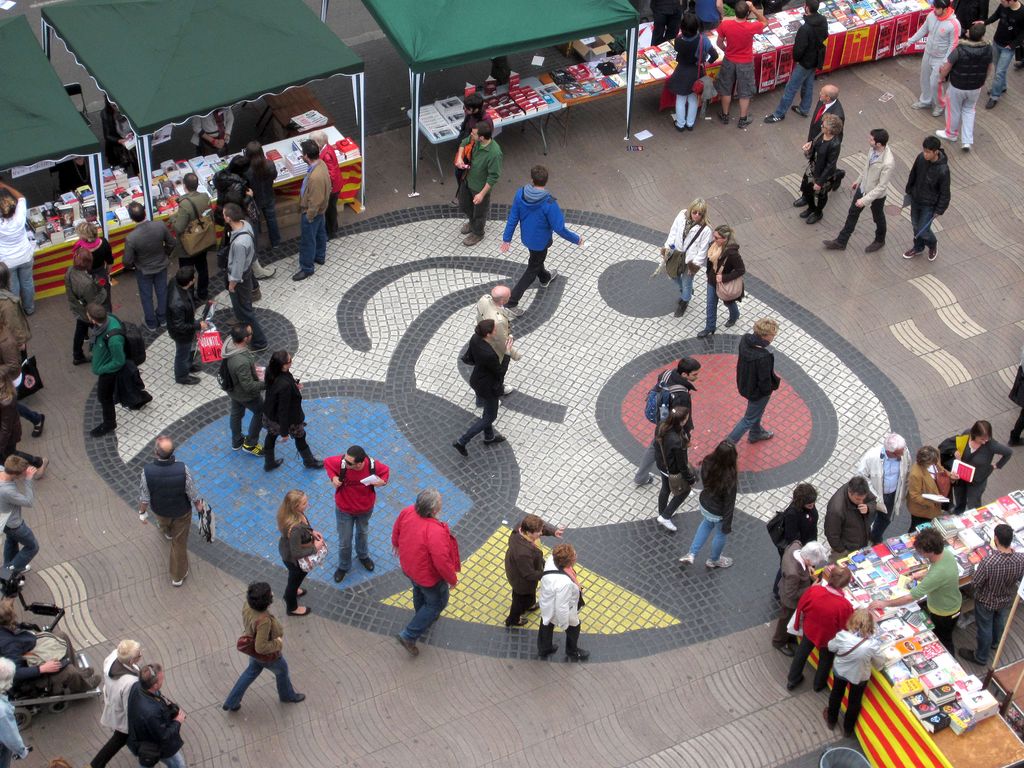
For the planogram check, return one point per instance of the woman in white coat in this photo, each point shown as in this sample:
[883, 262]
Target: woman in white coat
[560, 599]
[855, 647]
[691, 236]
[120, 673]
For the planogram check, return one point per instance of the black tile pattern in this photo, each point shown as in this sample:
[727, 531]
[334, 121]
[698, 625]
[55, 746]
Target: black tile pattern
[639, 556]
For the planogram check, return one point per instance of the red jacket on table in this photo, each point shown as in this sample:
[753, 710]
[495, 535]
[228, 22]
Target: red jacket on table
[821, 613]
[331, 161]
[427, 551]
[352, 496]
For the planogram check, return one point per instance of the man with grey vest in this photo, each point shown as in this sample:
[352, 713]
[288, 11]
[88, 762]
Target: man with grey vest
[246, 391]
[241, 256]
[167, 487]
[965, 71]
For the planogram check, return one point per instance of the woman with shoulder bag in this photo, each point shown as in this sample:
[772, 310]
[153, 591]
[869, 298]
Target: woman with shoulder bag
[268, 640]
[855, 647]
[725, 272]
[91, 239]
[298, 540]
[81, 289]
[693, 53]
[282, 413]
[686, 250]
[673, 464]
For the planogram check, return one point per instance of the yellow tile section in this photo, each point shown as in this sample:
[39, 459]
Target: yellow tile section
[483, 596]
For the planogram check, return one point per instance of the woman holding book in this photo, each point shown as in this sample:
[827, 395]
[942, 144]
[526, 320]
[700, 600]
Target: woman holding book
[924, 478]
[855, 647]
[978, 450]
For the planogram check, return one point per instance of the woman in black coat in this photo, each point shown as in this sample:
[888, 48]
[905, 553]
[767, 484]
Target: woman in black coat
[724, 266]
[282, 413]
[821, 167]
[671, 457]
[487, 380]
[980, 451]
[692, 50]
[799, 523]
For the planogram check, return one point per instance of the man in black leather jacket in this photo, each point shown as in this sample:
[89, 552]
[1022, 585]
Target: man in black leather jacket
[182, 324]
[154, 722]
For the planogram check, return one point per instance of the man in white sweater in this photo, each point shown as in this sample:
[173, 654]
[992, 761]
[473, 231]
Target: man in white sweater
[942, 31]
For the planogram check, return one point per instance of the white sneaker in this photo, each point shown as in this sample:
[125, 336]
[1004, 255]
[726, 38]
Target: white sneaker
[946, 136]
[921, 105]
[686, 559]
[721, 562]
[937, 111]
[179, 583]
[966, 147]
[667, 523]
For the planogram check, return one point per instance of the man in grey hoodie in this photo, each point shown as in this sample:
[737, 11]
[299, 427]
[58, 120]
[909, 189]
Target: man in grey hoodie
[246, 390]
[20, 544]
[942, 31]
[241, 256]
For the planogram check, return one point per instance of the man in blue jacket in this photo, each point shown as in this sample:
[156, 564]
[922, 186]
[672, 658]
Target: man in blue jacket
[537, 213]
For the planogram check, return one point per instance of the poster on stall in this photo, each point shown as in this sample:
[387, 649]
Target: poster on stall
[884, 43]
[785, 66]
[766, 76]
[857, 47]
[901, 33]
[916, 23]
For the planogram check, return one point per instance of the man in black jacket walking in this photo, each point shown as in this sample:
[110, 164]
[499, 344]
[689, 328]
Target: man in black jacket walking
[808, 55]
[756, 380]
[928, 196]
[182, 324]
[154, 722]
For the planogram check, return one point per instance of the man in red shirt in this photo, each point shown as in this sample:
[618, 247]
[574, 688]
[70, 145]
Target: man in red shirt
[736, 38]
[331, 161]
[356, 478]
[429, 556]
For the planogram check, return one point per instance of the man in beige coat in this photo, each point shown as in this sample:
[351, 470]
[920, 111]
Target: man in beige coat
[491, 307]
[313, 199]
[869, 189]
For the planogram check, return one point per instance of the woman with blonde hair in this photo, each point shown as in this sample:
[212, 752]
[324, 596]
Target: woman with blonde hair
[120, 673]
[686, 249]
[296, 541]
[821, 174]
[91, 240]
[855, 648]
[724, 265]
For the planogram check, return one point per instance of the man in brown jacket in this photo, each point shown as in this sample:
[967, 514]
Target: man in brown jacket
[190, 208]
[847, 517]
[313, 200]
[524, 566]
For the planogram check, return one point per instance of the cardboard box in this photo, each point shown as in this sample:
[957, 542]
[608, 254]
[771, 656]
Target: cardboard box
[591, 48]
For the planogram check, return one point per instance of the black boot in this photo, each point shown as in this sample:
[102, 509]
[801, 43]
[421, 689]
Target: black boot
[680, 308]
[269, 462]
[309, 460]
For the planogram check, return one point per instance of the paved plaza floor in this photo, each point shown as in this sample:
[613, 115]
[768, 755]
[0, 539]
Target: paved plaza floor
[682, 671]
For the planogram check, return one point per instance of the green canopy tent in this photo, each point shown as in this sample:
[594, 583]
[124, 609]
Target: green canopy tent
[164, 62]
[37, 120]
[446, 33]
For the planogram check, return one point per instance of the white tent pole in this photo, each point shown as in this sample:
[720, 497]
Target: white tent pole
[143, 149]
[44, 30]
[415, 80]
[361, 116]
[323, 10]
[632, 46]
[96, 179]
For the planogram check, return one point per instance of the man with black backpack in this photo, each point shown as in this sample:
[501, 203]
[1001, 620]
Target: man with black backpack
[672, 389]
[239, 379]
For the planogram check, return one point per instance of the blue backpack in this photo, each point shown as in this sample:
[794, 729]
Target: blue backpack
[659, 398]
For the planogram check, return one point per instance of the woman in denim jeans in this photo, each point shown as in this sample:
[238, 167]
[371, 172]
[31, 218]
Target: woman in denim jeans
[268, 640]
[691, 235]
[724, 265]
[11, 744]
[717, 503]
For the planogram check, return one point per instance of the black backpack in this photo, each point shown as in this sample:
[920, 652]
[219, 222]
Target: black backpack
[224, 376]
[134, 342]
[777, 529]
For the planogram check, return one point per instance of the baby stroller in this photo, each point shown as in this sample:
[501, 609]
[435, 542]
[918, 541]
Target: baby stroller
[29, 697]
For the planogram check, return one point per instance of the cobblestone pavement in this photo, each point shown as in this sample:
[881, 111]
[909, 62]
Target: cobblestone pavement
[683, 672]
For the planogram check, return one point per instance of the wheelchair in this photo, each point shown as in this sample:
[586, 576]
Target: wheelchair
[30, 697]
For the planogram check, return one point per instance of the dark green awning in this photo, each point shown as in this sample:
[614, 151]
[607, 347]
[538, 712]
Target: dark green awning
[164, 61]
[435, 34]
[37, 120]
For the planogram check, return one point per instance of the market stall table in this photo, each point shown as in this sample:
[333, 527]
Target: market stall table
[281, 108]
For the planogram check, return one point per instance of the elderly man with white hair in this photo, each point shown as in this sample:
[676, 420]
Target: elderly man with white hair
[799, 562]
[491, 307]
[886, 468]
[11, 744]
[120, 673]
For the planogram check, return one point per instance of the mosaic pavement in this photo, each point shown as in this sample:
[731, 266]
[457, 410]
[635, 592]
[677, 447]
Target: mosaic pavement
[377, 353]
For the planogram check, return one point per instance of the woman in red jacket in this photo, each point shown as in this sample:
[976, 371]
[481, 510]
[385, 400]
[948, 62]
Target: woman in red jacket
[822, 611]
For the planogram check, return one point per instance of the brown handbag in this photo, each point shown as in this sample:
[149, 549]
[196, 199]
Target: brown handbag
[200, 236]
[247, 644]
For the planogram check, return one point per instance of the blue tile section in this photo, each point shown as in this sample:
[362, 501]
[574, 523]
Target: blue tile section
[245, 498]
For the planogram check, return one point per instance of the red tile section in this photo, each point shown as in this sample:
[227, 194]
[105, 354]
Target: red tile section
[716, 409]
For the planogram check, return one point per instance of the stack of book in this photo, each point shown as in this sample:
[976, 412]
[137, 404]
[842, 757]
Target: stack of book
[309, 120]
